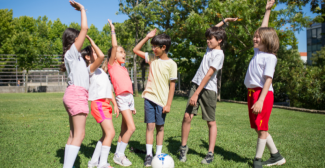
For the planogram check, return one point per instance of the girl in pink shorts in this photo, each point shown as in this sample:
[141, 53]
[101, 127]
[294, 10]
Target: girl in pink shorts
[100, 95]
[124, 96]
[75, 98]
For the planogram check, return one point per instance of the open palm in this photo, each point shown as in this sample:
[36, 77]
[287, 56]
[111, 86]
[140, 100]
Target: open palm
[76, 5]
[152, 33]
[111, 24]
[269, 4]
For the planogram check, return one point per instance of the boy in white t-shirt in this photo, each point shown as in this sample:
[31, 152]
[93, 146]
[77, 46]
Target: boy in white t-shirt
[159, 91]
[204, 90]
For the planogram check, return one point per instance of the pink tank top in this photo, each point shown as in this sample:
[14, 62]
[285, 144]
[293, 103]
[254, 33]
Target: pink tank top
[120, 79]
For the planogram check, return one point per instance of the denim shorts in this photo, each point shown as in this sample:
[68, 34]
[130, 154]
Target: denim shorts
[153, 113]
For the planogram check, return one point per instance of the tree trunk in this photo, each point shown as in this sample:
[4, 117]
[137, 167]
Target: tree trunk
[135, 80]
[26, 81]
[219, 75]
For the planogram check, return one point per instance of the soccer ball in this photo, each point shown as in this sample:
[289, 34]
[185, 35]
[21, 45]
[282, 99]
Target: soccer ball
[162, 161]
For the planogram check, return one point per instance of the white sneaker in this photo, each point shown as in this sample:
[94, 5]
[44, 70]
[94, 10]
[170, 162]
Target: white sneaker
[92, 165]
[107, 165]
[121, 160]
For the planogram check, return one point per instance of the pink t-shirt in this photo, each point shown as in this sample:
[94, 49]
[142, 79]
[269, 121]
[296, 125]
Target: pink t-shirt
[120, 79]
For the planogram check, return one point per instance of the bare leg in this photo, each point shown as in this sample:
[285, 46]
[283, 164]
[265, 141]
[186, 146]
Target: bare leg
[79, 124]
[186, 126]
[71, 131]
[262, 134]
[149, 132]
[160, 134]
[212, 135]
[127, 116]
[109, 132]
[123, 129]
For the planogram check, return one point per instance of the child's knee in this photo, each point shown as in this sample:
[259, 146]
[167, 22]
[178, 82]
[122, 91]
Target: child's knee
[131, 129]
[212, 123]
[187, 117]
[150, 127]
[160, 128]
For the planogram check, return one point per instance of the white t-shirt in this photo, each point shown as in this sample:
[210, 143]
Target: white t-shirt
[262, 65]
[77, 70]
[100, 86]
[212, 58]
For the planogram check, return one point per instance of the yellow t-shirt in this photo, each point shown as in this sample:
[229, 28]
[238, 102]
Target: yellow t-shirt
[161, 72]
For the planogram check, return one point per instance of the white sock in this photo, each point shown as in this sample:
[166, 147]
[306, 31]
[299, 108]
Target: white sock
[117, 147]
[149, 149]
[66, 149]
[96, 153]
[158, 149]
[260, 148]
[122, 147]
[270, 144]
[71, 156]
[104, 155]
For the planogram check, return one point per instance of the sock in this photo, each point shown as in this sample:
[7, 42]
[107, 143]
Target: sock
[184, 146]
[149, 149]
[117, 147]
[96, 153]
[71, 157]
[260, 148]
[104, 155]
[158, 149]
[122, 147]
[270, 144]
[66, 149]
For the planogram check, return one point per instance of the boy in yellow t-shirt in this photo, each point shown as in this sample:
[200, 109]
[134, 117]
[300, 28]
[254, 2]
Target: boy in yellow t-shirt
[159, 91]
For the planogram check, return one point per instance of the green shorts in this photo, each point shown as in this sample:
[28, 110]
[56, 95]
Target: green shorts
[207, 100]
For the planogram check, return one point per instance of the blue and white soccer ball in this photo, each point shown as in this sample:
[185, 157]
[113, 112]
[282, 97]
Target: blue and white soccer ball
[162, 161]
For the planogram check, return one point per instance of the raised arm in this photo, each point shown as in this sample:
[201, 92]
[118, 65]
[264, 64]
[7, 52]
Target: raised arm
[268, 8]
[114, 43]
[100, 56]
[84, 26]
[226, 20]
[137, 48]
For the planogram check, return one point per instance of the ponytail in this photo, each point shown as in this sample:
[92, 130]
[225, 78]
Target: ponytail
[68, 38]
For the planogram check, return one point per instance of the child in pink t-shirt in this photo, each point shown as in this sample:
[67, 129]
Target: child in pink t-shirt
[124, 96]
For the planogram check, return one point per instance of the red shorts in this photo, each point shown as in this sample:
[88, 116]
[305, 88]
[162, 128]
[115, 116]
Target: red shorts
[101, 110]
[261, 120]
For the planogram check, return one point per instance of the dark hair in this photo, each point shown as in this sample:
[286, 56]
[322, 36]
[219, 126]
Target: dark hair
[160, 40]
[86, 51]
[109, 54]
[217, 32]
[68, 38]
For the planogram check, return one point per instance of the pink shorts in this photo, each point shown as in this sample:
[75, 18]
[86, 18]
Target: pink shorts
[75, 100]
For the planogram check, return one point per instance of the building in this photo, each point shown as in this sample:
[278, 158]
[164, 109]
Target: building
[315, 40]
[303, 57]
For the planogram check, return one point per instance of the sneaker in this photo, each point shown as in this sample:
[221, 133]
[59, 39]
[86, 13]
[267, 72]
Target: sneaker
[208, 158]
[147, 161]
[275, 159]
[92, 164]
[121, 160]
[182, 153]
[107, 165]
[257, 163]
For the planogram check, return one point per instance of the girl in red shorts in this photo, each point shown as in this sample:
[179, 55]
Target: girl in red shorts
[100, 95]
[260, 97]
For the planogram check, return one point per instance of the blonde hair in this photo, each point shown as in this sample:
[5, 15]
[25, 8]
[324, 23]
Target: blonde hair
[109, 53]
[269, 39]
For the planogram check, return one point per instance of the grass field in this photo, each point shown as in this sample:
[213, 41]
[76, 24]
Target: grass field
[34, 129]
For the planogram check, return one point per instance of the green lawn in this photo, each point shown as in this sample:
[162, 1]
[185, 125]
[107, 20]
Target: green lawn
[34, 129]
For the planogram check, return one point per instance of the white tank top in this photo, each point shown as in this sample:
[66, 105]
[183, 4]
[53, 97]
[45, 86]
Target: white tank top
[100, 87]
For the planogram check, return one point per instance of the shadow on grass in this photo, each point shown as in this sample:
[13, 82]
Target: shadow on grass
[60, 154]
[173, 147]
[227, 155]
[138, 149]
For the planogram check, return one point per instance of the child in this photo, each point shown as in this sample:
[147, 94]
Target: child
[159, 91]
[258, 81]
[204, 90]
[124, 97]
[75, 98]
[100, 94]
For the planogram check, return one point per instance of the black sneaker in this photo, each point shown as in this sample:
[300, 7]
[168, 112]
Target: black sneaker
[147, 161]
[275, 159]
[208, 158]
[257, 163]
[182, 153]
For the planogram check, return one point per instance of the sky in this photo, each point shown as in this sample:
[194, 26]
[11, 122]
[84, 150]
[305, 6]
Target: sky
[98, 11]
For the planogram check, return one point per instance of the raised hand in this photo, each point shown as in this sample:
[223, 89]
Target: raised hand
[269, 4]
[111, 24]
[152, 33]
[76, 5]
[90, 40]
[231, 19]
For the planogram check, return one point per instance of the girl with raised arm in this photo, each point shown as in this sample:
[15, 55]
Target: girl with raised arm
[260, 97]
[124, 96]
